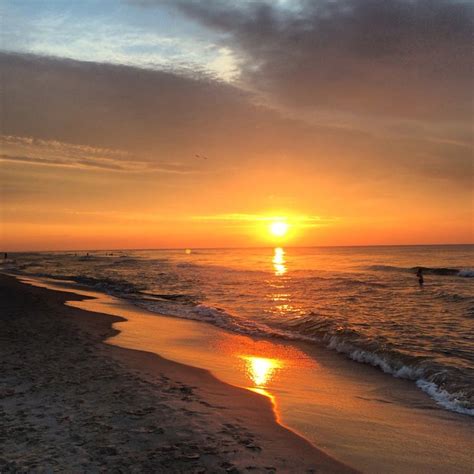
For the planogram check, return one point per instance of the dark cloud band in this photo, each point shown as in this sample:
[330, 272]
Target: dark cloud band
[400, 58]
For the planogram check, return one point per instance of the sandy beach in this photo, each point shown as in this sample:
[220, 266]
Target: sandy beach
[71, 403]
[353, 412]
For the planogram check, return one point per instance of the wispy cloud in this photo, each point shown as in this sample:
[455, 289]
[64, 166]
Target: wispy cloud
[296, 220]
[113, 38]
[9, 140]
[77, 163]
[59, 154]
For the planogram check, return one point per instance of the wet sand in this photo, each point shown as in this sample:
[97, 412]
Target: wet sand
[68, 402]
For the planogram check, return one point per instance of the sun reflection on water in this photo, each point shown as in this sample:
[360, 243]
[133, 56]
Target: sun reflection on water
[279, 262]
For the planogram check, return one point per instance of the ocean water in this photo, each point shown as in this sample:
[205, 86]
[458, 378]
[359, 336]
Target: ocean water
[364, 302]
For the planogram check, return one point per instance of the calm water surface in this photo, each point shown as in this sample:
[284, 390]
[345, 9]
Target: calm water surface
[363, 302]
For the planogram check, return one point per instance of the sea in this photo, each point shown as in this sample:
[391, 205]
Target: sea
[363, 302]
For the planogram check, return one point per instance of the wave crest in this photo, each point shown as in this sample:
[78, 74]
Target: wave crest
[433, 381]
[440, 271]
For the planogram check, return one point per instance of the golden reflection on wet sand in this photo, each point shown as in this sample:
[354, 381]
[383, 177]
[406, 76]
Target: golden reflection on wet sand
[260, 371]
[261, 366]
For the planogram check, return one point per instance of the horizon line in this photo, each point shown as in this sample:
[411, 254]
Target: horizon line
[239, 248]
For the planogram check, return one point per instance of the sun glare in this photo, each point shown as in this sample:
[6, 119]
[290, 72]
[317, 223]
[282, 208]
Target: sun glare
[278, 228]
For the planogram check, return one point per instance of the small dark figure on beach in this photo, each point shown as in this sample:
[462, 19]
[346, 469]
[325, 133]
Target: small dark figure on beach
[419, 274]
[5, 256]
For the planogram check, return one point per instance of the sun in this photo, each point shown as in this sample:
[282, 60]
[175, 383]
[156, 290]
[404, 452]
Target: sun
[278, 228]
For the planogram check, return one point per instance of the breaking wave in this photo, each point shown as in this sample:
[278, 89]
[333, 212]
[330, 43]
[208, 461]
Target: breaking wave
[435, 380]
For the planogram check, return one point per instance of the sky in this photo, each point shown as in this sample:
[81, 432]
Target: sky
[187, 123]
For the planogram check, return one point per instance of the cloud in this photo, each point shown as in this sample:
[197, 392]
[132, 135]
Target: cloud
[126, 119]
[298, 220]
[112, 34]
[85, 163]
[151, 114]
[410, 59]
[154, 116]
[59, 154]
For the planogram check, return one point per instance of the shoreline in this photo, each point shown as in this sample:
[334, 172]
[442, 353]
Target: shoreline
[353, 412]
[210, 425]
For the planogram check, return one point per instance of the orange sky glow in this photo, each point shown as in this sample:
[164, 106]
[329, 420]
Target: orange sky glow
[103, 148]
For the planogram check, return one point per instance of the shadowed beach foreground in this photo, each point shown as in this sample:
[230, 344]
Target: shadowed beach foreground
[69, 402]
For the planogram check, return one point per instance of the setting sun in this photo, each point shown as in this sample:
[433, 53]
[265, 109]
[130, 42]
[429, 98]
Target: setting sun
[278, 228]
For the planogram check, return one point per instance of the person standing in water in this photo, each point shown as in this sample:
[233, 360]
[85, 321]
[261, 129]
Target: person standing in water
[419, 274]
